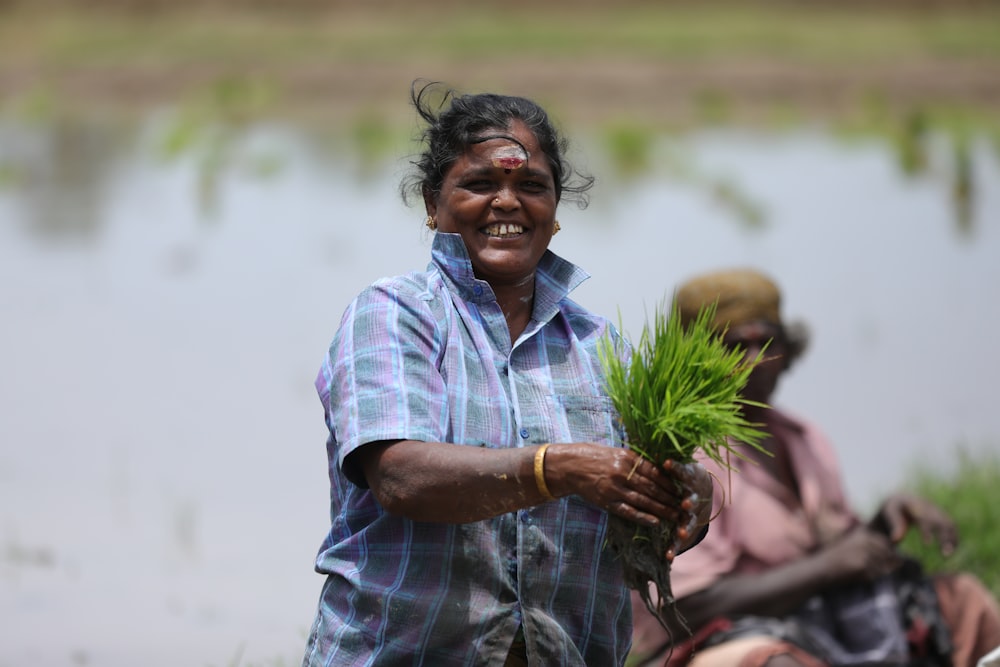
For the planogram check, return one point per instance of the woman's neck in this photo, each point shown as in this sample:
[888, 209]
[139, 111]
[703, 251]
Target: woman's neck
[517, 304]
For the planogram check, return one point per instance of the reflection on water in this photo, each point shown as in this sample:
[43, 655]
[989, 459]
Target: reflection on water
[914, 154]
[59, 174]
[167, 300]
[67, 162]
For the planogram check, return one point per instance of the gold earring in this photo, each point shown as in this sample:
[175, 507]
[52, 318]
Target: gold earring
[431, 223]
[556, 228]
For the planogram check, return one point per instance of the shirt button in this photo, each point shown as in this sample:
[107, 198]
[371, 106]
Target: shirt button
[524, 433]
[523, 514]
[477, 290]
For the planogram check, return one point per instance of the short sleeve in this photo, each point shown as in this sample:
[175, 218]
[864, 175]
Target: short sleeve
[382, 377]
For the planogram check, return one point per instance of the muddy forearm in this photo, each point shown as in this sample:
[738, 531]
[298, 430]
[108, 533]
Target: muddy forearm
[775, 592]
[442, 482]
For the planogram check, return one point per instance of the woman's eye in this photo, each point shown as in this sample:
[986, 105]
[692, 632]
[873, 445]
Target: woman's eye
[478, 186]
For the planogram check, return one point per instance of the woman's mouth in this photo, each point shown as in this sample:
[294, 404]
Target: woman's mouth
[503, 230]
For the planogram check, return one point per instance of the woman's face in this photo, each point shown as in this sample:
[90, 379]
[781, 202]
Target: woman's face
[751, 338]
[502, 201]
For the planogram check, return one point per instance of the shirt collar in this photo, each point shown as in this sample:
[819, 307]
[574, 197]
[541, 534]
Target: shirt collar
[555, 277]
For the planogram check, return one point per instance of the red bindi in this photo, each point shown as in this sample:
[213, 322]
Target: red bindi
[508, 162]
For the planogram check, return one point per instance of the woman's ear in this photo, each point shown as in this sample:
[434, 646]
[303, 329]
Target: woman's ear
[430, 204]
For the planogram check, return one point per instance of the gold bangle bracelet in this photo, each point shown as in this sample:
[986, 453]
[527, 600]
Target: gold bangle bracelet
[540, 473]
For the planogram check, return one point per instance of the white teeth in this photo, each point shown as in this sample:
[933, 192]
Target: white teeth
[504, 229]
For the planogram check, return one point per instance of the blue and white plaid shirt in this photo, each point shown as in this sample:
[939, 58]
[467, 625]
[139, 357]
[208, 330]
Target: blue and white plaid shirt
[427, 356]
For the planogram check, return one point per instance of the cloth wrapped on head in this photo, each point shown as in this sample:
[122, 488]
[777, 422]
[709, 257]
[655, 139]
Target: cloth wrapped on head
[743, 295]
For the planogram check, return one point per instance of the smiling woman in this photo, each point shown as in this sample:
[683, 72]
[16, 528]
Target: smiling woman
[503, 205]
[474, 454]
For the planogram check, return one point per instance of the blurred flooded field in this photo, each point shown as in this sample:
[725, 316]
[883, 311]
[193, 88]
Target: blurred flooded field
[660, 63]
[192, 191]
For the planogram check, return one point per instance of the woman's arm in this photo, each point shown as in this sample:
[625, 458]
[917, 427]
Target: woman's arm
[860, 555]
[435, 481]
[902, 510]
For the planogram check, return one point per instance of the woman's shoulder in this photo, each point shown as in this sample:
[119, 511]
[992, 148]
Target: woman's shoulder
[586, 323]
[572, 308]
[417, 294]
[411, 286]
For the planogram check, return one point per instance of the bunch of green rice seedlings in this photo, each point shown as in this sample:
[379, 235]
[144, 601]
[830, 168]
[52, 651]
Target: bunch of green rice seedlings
[678, 394]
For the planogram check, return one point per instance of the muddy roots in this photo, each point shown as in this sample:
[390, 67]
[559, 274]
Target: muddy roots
[642, 552]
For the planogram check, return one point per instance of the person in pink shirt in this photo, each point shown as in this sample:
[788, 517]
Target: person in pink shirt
[789, 575]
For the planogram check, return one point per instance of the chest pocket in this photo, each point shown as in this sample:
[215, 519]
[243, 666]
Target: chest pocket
[587, 418]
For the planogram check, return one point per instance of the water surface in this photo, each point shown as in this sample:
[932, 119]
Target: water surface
[162, 466]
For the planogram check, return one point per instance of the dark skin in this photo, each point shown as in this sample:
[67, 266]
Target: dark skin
[864, 553]
[443, 482]
[504, 209]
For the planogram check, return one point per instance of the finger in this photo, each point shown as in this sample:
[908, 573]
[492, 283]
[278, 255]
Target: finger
[663, 475]
[928, 532]
[652, 511]
[680, 480]
[626, 511]
[896, 524]
[686, 472]
[948, 548]
[684, 532]
[652, 483]
[665, 510]
[693, 477]
[675, 470]
[948, 539]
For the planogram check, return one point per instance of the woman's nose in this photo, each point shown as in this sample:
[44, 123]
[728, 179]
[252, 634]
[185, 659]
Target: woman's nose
[505, 199]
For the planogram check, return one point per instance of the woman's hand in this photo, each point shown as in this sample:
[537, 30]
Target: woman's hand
[623, 483]
[442, 482]
[901, 511]
[861, 554]
[698, 503]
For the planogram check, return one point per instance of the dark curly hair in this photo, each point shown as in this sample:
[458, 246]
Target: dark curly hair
[450, 132]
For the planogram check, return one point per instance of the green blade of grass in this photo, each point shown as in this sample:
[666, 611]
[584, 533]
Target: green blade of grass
[680, 391]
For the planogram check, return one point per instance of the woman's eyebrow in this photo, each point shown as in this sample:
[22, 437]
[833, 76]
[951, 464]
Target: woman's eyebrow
[489, 169]
[537, 173]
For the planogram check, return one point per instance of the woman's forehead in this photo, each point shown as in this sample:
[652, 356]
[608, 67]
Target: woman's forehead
[509, 149]
[507, 156]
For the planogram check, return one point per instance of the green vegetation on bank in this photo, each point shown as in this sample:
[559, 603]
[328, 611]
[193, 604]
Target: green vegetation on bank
[660, 63]
[971, 495]
[811, 32]
[633, 74]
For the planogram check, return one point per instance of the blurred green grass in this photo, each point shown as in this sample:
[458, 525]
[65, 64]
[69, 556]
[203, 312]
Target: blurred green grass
[633, 62]
[630, 69]
[971, 496]
[812, 33]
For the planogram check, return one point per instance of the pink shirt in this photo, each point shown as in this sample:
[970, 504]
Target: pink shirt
[759, 522]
